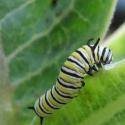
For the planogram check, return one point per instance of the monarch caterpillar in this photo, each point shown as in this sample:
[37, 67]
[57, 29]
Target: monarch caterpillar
[84, 60]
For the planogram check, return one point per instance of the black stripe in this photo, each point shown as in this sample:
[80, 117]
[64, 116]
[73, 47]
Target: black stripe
[93, 54]
[99, 65]
[59, 90]
[98, 53]
[36, 112]
[49, 103]
[73, 61]
[69, 82]
[107, 58]
[67, 86]
[82, 56]
[55, 98]
[69, 73]
[103, 54]
[64, 96]
[42, 108]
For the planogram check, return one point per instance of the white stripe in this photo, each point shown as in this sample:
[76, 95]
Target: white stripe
[92, 58]
[41, 104]
[35, 107]
[100, 51]
[62, 93]
[106, 54]
[49, 100]
[68, 84]
[62, 100]
[57, 104]
[96, 52]
[71, 71]
[85, 55]
[110, 56]
[70, 57]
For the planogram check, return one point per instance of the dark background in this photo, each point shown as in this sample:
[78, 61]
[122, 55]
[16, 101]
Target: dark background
[119, 16]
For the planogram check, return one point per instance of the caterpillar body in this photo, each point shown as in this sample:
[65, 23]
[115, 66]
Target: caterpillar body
[84, 61]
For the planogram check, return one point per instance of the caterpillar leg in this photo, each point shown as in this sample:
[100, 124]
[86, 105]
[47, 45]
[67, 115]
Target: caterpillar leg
[90, 72]
[41, 120]
[95, 68]
[31, 107]
[83, 83]
[100, 65]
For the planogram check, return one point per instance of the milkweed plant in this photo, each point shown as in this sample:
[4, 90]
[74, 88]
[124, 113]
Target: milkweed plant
[36, 37]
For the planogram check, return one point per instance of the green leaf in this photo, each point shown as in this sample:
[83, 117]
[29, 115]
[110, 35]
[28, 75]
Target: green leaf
[6, 6]
[37, 36]
[38, 31]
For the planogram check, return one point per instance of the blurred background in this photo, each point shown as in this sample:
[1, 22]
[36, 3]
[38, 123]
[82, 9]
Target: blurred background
[119, 16]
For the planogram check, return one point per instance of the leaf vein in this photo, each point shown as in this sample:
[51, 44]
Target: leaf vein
[8, 15]
[40, 35]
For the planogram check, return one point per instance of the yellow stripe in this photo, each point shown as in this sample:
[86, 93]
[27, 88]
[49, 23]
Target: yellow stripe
[53, 102]
[68, 78]
[72, 92]
[42, 114]
[78, 57]
[72, 66]
[87, 49]
[87, 52]
[96, 57]
[60, 98]
[49, 109]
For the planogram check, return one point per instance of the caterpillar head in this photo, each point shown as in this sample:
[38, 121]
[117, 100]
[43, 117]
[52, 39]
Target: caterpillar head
[105, 55]
[100, 54]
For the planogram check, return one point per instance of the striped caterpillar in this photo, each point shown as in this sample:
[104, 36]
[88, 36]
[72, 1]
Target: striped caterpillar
[85, 60]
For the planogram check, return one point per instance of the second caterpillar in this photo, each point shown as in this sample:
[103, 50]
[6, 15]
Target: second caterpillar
[84, 61]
